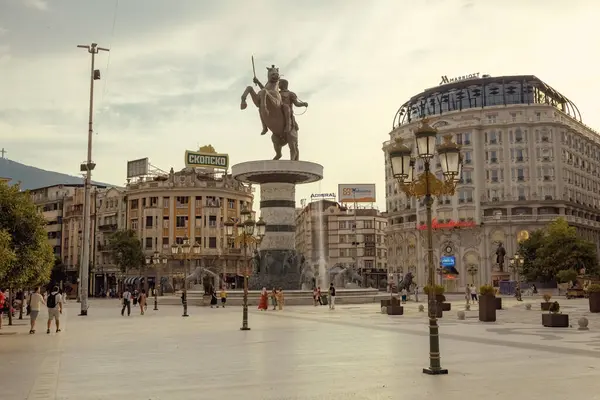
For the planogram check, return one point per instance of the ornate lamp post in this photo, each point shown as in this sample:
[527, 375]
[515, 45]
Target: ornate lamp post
[426, 186]
[187, 253]
[472, 270]
[157, 260]
[248, 232]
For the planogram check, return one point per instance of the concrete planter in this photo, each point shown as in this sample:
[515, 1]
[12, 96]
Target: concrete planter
[555, 320]
[498, 303]
[487, 308]
[546, 305]
[390, 302]
[594, 302]
[395, 310]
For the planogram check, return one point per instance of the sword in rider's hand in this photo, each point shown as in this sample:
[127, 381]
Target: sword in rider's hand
[254, 71]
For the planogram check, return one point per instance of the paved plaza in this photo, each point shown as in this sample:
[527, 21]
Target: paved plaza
[299, 353]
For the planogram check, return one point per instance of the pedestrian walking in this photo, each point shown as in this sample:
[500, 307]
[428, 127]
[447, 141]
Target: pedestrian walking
[280, 299]
[319, 299]
[55, 305]
[35, 304]
[223, 295]
[263, 304]
[126, 302]
[142, 301]
[213, 299]
[274, 299]
[473, 294]
[2, 303]
[331, 296]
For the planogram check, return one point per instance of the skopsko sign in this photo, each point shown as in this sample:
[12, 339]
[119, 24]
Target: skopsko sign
[207, 160]
[322, 196]
[445, 79]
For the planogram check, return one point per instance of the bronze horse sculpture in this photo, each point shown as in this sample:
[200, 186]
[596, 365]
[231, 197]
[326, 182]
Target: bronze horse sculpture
[275, 114]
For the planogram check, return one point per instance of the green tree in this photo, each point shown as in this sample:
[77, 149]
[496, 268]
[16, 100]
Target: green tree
[126, 250]
[27, 258]
[557, 248]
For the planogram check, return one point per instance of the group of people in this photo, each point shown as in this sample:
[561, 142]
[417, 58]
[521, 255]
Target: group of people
[318, 296]
[35, 301]
[137, 297]
[276, 296]
[213, 298]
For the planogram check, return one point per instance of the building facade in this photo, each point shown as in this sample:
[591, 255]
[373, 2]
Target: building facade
[193, 204]
[528, 159]
[343, 236]
[111, 210]
[62, 208]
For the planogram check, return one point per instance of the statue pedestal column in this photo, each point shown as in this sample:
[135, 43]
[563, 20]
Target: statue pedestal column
[279, 263]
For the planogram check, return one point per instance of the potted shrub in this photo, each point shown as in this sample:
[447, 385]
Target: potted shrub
[487, 304]
[594, 297]
[554, 318]
[546, 303]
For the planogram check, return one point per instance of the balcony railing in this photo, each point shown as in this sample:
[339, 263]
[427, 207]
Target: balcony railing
[107, 227]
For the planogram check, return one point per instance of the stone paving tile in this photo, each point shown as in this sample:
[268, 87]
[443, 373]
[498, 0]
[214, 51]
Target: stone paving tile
[299, 353]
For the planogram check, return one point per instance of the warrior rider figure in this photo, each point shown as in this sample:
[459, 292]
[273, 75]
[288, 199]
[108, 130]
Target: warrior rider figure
[288, 100]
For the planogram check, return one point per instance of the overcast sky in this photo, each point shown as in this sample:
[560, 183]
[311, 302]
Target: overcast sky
[176, 71]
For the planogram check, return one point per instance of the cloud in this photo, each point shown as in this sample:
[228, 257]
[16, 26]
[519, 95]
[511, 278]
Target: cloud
[41, 5]
[176, 71]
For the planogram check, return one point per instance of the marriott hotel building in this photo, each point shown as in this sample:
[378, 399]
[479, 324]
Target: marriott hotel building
[528, 159]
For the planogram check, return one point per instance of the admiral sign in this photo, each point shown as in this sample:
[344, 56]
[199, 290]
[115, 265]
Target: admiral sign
[322, 196]
[207, 160]
[445, 80]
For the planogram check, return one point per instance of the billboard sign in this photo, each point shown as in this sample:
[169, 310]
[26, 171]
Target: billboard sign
[358, 193]
[206, 160]
[137, 168]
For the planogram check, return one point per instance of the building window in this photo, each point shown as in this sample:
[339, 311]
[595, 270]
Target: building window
[369, 251]
[166, 222]
[468, 157]
[369, 238]
[148, 221]
[342, 238]
[165, 202]
[134, 204]
[368, 224]
[182, 201]
[230, 204]
[369, 264]
[181, 222]
[148, 243]
[342, 225]
[165, 242]
[212, 221]
[343, 253]
[212, 242]
[134, 224]
[491, 156]
[153, 201]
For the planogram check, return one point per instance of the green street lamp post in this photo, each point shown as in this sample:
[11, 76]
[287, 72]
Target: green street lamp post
[158, 261]
[425, 186]
[186, 252]
[247, 232]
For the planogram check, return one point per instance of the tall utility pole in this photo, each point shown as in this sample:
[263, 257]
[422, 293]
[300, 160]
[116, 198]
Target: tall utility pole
[87, 167]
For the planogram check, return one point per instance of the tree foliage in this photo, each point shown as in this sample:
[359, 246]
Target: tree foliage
[27, 258]
[557, 248]
[126, 250]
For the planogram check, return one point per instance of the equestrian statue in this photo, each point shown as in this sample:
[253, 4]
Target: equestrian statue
[275, 106]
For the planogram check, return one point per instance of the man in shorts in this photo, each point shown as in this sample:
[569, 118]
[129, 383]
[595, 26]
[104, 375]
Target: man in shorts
[54, 303]
[35, 304]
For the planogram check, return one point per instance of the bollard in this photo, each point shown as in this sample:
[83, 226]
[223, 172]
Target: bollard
[583, 324]
[421, 307]
[461, 315]
[528, 306]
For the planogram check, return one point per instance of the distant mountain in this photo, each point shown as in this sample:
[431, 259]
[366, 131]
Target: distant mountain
[33, 178]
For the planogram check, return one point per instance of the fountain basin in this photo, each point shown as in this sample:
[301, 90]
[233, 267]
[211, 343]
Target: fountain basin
[292, 297]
